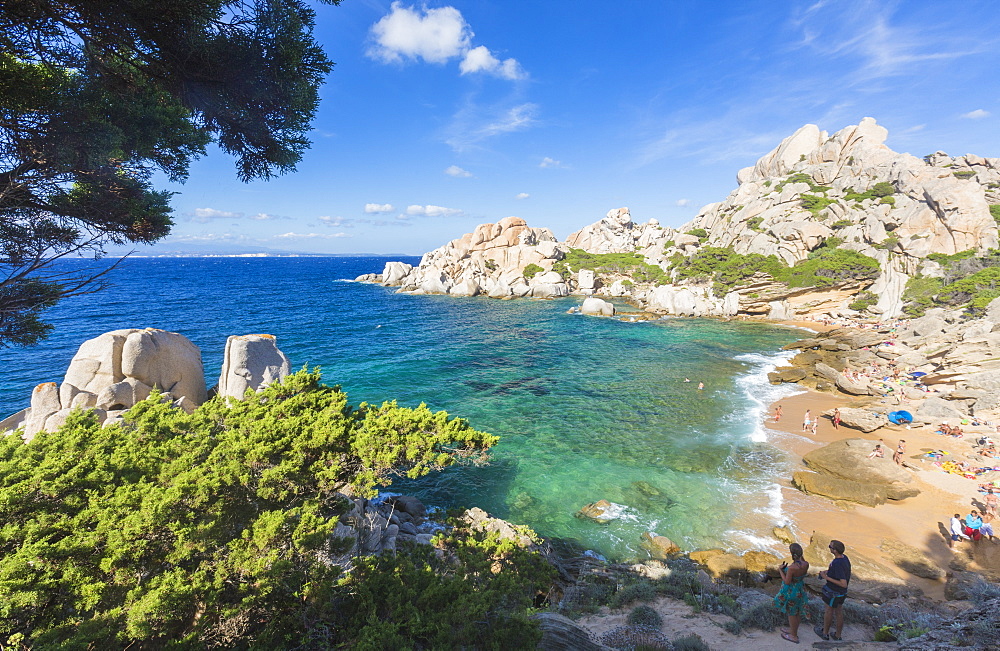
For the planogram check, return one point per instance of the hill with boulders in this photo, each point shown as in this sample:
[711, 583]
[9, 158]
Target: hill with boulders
[823, 225]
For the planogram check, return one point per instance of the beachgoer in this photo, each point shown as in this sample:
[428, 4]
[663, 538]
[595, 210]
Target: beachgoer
[987, 528]
[792, 598]
[701, 385]
[777, 413]
[834, 592]
[877, 453]
[686, 380]
[991, 502]
[836, 418]
[956, 531]
[815, 424]
[806, 420]
[897, 456]
[973, 524]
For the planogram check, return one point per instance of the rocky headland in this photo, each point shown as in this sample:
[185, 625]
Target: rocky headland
[812, 195]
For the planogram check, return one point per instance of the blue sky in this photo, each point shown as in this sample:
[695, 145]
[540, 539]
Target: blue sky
[441, 116]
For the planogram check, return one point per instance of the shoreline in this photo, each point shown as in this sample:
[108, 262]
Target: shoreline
[921, 521]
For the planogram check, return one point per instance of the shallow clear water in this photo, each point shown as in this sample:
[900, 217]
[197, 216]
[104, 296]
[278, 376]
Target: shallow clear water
[587, 408]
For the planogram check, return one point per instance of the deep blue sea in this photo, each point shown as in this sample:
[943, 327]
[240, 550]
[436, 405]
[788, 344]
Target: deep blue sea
[587, 408]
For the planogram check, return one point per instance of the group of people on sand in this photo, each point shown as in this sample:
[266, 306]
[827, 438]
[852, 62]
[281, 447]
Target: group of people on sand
[792, 597]
[978, 523]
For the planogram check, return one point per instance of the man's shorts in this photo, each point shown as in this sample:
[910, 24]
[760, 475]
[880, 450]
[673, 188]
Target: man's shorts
[832, 599]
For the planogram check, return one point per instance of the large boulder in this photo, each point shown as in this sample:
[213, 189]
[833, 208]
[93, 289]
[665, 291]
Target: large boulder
[836, 488]
[117, 369]
[251, 362]
[597, 307]
[862, 419]
[848, 459]
[659, 547]
[911, 559]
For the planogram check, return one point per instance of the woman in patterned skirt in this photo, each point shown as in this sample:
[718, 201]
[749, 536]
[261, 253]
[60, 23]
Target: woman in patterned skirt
[792, 598]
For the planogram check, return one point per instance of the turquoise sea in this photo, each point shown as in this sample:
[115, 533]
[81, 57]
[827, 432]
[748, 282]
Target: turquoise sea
[587, 408]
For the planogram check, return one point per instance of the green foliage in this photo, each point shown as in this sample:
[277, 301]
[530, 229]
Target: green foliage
[964, 174]
[98, 98]
[826, 266]
[754, 223]
[491, 265]
[692, 642]
[883, 189]
[832, 242]
[631, 264]
[643, 615]
[863, 301]
[995, 212]
[767, 183]
[885, 633]
[889, 242]
[667, 245]
[475, 595]
[531, 270]
[891, 201]
[205, 527]
[841, 223]
[725, 267]
[639, 590]
[798, 177]
[700, 233]
[918, 295]
[945, 260]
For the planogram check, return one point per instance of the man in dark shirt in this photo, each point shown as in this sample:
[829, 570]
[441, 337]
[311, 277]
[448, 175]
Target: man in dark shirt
[835, 591]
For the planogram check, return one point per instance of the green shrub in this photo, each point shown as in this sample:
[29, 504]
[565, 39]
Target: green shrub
[995, 212]
[891, 201]
[767, 183]
[631, 264]
[826, 266]
[692, 642]
[183, 529]
[531, 270]
[832, 242]
[863, 301]
[883, 189]
[667, 245]
[889, 242]
[700, 233]
[640, 590]
[725, 267]
[918, 295]
[885, 633]
[491, 265]
[944, 259]
[644, 616]
[754, 223]
[815, 203]
[964, 174]
[841, 223]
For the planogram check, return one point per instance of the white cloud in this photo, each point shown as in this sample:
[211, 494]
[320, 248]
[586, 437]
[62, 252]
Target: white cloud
[371, 208]
[976, 115]
[203, 215]
[432, 211]
[683, 202]
[458, 172]
[515, 119]
[522, 195]
[550, 162]
[435, 36]
[308, 236]
[335, 222]
[480, 59]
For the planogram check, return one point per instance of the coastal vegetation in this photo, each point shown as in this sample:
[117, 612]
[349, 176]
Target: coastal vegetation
[214, 529]
[727, 269]
[99, 98]
[531, 270]
[632, 264]
[964, 281]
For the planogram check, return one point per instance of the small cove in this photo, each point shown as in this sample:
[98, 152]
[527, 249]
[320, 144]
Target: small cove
[587, 408]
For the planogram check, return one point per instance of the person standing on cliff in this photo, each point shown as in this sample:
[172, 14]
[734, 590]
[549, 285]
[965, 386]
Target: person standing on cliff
[834, 592]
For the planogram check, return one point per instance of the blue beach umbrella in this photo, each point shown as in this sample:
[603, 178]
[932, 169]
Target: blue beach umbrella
[898, 417]
[917, 374]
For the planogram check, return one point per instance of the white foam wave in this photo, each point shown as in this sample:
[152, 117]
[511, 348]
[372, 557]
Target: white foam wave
[775, 501]
[759, 391]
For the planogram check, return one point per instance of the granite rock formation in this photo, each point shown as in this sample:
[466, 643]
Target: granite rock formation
[251, 362]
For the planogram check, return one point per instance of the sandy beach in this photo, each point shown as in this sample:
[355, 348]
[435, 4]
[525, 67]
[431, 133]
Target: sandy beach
[920, 521]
